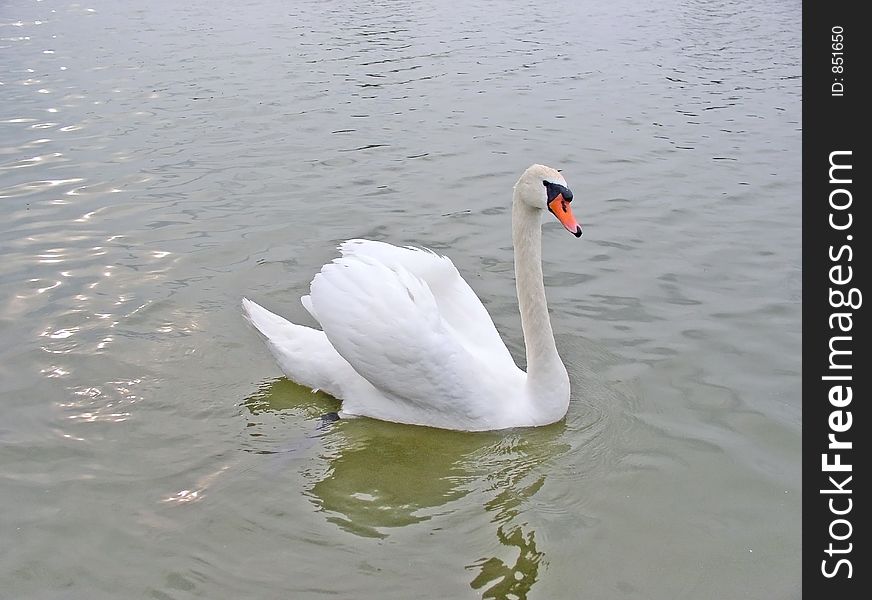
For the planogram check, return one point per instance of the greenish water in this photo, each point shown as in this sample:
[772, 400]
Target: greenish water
[160, 161]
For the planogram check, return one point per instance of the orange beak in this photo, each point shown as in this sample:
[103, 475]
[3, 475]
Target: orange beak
[560, 208]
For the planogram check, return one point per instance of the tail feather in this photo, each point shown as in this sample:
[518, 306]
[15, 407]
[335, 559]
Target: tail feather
[303, 354]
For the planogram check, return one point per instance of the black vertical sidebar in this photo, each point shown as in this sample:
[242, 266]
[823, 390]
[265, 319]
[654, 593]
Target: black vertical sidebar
[836, 371]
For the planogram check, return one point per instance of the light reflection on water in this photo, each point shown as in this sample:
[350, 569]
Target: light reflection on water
[159, 161]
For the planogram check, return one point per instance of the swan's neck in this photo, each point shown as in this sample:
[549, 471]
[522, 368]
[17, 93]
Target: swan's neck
[546, 375]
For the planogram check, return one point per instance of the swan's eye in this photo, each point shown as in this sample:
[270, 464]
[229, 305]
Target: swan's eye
[555, 189]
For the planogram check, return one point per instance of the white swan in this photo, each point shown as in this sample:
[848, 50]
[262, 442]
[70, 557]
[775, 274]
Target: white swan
[405, 338]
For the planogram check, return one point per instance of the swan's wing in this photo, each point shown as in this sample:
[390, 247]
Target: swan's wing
[387, 324]
[458, 305]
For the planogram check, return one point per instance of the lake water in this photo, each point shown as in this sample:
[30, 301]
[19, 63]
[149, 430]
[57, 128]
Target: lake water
[160, 160]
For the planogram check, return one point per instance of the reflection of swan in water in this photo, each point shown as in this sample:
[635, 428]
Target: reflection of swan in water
[513, 580]
[380, 475]
[393, 476]
[499, 579]
[384, 476]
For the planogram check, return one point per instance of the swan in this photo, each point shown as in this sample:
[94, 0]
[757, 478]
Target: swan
[404, 338]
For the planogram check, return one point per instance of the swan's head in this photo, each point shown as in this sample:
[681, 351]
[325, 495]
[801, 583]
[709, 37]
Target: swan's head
[544, 188]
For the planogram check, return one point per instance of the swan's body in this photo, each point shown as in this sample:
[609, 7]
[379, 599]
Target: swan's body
[404, 338]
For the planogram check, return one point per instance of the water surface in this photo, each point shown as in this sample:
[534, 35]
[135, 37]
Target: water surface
[160, 160]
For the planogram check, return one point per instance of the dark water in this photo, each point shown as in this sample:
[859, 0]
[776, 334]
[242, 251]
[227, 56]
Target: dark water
[160, 160]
